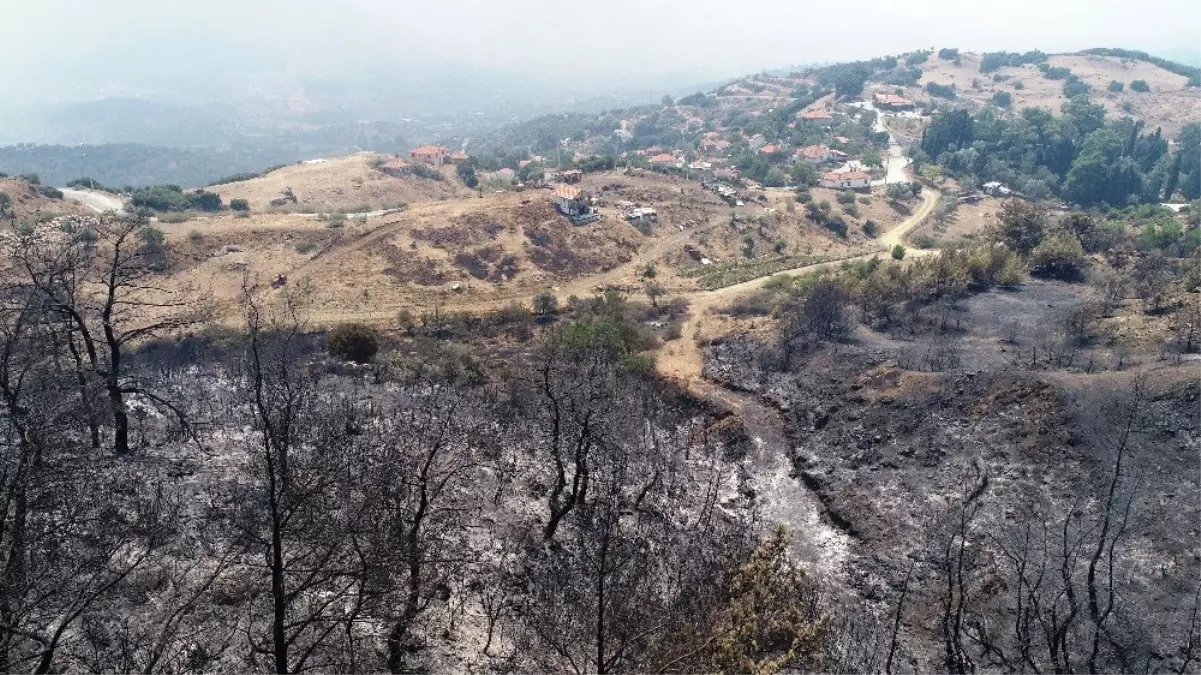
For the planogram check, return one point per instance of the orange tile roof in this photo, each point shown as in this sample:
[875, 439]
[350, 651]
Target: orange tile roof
[770, 148]
[428, 150]
[817, 115]
[815, 151]
[567, 191]
[663, 159]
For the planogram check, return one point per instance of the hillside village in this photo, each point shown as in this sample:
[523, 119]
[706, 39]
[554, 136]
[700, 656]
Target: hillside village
[870, 367]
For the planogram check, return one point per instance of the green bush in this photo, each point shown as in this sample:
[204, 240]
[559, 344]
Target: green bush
[352, 342]
[51, 192]
[1116, 86]
[305, 247]
[545, 303]
[151, 236]
[1140, 86]
[1059, 256]
[239, 205]
[898, 252]
[195, 236]
[846, 197]
[1002, 99]
[870, 228]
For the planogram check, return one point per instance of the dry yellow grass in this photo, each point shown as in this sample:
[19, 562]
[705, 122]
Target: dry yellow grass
[1168, 104]
[422, 257]
[341, 184]
[27, 201]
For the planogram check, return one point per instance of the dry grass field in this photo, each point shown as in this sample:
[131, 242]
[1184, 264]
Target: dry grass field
[485, 251]
[340, 184]
[1168, 104]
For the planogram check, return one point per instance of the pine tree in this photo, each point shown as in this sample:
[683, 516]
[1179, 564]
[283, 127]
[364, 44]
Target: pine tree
[1173, 179]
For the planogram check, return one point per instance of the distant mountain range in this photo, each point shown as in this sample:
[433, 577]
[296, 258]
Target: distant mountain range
[168, 137]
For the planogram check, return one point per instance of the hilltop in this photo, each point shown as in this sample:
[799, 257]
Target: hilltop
[339, 184]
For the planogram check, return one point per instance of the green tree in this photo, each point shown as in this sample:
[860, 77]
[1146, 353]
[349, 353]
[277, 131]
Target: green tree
[1002, 99]
[1022, 224]
[466, 173]
[1191, 187]
[1116, 86]
[239, 205]
[1059, 256]
[1140, 86]
[6, 204]
[545, 303]
[898, 252]
[1173, 178]
[352, 342]
[654, 291]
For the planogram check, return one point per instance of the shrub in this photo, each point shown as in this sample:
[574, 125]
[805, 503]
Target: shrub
[1059, 256]
[925, 241]
[898, 252]
[1002, 99]
[305, 247]
[236, 178]
[1140, 86]
[837, 225]
[851, 210]
[336, 221]
[940, 90]
[545, 303]
[151, 236]
[1073, 89]
[32, 178]
[241, 214]
[426, 171]
[1056, 73]
[1116, 86]
[6, 204]
[239, 205]
[948, 53]
[352, 342]
[1019, 85]
[51, 192]
[870, 228]
[846, 197]
[195, 236]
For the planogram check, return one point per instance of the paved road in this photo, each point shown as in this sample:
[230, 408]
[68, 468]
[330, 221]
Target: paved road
[95, 200]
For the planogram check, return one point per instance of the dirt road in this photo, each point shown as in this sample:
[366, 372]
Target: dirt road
[95, 200]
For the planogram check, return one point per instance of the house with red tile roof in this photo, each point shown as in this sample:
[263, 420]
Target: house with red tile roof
[666, 160]
[457, 158]
[891, 102]
[854, 180]
[570, 200]
[821, 117]
[430, 154]
[815, 154]
[396, 167]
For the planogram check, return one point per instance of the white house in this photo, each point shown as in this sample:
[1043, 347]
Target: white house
[855, 180]
[570, 200]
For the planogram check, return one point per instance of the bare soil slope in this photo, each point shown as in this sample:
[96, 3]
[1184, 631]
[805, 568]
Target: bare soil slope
[27, 201]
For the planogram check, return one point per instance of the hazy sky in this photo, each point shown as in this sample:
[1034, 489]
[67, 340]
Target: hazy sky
[44, 40]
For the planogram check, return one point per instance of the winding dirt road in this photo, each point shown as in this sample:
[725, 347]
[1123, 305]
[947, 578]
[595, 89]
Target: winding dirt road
[682, 359]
